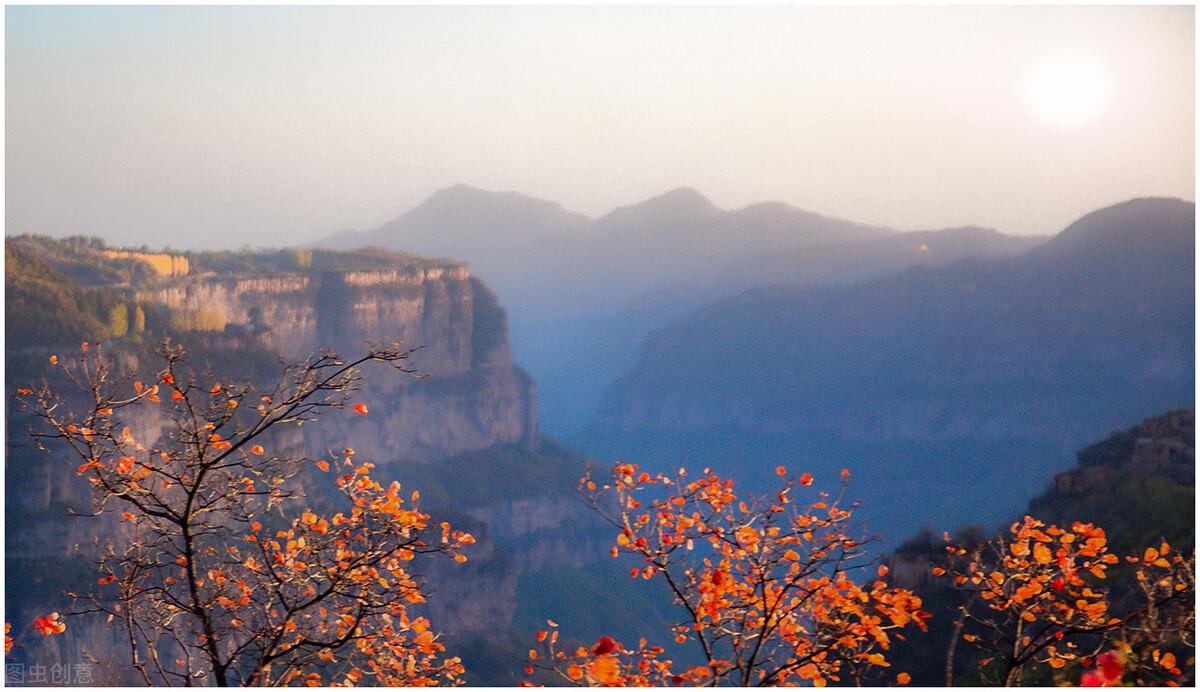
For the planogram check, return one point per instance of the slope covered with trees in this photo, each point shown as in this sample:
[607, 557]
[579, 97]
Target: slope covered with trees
[961, 387]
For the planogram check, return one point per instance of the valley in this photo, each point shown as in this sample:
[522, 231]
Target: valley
[954, 373]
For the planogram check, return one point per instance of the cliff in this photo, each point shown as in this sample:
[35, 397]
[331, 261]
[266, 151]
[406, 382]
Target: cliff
[296, 303]
[233, 312]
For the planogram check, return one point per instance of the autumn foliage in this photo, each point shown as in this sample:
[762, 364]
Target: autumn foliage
[1040, 597]
[224, 573]
[222, 570]
[771, 591]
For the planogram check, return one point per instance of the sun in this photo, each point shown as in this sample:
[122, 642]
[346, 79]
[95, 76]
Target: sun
[1067, 90]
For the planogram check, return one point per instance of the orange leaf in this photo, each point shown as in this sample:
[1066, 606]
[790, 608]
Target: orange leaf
[49, 624]
[606, 670]
[806, 479]
[360, 409]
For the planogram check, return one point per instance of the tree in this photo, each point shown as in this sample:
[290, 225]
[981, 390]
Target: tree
[223, 574]
[1039, 598]
[118, 320]
[765, 586]
[139, 320]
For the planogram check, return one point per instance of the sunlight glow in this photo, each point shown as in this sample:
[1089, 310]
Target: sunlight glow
[1067, 90]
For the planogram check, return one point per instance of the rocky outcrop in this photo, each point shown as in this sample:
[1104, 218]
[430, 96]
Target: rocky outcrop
[1164, 446]
[470, 398]
[473, 396]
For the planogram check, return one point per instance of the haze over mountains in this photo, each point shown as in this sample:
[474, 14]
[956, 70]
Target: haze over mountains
[466, 435]
[952, 371]
[674, 330]
[582, 293]
[946, 386]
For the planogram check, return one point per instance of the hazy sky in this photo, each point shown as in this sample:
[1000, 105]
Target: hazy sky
[210, 126]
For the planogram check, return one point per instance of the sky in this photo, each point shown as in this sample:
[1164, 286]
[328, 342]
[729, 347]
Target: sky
[208, 127]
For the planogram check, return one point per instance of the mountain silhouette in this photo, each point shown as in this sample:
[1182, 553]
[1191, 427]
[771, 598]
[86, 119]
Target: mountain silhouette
[984, 365]
[582, 293]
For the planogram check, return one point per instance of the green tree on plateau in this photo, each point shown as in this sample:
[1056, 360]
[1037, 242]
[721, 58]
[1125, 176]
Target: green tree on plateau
[118, 320]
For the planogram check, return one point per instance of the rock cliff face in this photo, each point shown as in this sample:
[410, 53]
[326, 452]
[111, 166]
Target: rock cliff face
[230, 310]
[473, 396]
[1163, 447]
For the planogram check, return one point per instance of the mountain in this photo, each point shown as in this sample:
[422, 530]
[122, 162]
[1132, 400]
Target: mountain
[465, 436]
[950, 386]
[522, 244]
[463, 214]
[1140, 229]
[511, 239]
[884, 351]
[297, 303]
[582, 293]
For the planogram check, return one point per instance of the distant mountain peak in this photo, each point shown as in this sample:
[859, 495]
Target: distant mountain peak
[772, 206]
[680, 203]
[461, 189]
[776, 214]
[460, 207]
[1141, 224]
[682, 198]
[469, 195]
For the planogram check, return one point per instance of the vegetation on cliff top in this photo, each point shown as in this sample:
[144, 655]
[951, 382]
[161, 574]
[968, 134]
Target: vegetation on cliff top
[79, 289]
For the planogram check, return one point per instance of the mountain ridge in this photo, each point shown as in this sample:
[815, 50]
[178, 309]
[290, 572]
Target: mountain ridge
[566, 279]
[1109, 229]
[1034, 354]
